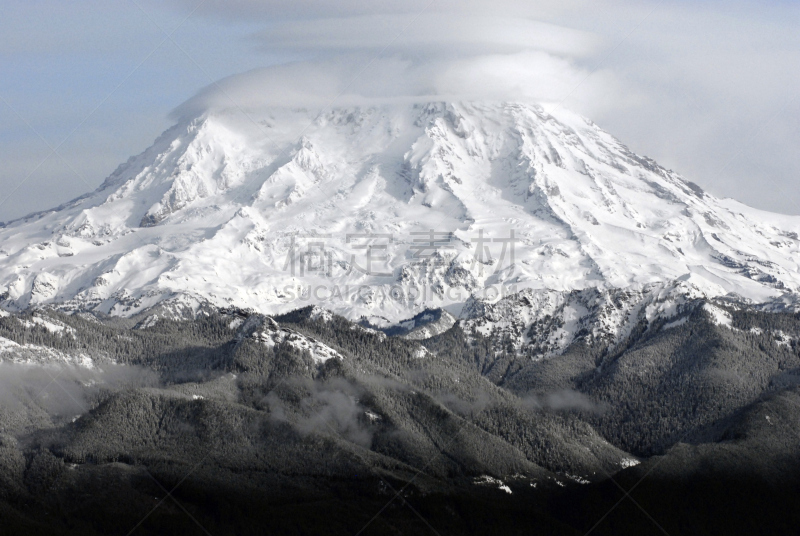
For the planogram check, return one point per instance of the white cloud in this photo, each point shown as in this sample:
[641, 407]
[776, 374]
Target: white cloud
[429, 32]
[434, 55]
[311, 9]
[707, 88]
[359, 79]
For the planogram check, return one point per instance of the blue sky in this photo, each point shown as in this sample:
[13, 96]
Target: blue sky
[706, 88]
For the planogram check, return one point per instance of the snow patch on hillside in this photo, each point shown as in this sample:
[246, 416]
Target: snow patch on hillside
[486, 480]
[271, 334]
[718, 315]
[675, 323]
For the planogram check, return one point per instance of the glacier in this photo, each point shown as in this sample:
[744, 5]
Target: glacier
[485, 210]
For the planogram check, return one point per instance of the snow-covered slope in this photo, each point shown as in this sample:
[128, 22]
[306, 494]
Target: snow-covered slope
[383, 211]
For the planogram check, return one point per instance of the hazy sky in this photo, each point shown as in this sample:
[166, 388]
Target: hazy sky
[709, 89]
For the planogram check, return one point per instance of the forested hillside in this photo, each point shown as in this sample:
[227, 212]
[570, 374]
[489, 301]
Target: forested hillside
[307, 422]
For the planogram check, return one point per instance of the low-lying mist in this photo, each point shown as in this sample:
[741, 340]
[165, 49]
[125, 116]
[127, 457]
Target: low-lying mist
[65, 391]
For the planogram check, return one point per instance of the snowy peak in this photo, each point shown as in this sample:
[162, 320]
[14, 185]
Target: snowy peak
[384, 211]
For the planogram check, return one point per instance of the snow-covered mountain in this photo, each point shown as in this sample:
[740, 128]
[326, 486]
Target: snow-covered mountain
[387, 210]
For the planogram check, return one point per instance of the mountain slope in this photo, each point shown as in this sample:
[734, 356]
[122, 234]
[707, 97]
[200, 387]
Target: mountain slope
[306, 422]
[384, 211]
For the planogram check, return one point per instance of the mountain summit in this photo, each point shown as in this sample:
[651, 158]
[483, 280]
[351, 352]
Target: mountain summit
[383, 211]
